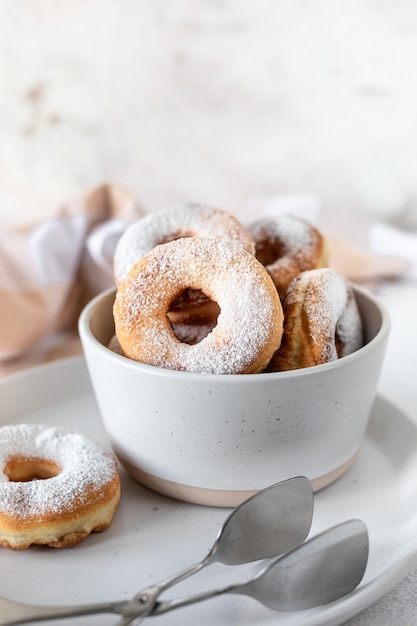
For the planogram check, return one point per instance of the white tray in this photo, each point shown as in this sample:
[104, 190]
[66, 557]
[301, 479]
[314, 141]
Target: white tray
[152, 536]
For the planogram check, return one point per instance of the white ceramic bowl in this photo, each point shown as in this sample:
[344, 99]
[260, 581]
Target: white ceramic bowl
[217, 439]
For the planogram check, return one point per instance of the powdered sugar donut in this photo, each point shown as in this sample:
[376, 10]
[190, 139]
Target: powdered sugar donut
[174, 222]
[249, 326]
[56, 486]
[321, 321]
[287, 245]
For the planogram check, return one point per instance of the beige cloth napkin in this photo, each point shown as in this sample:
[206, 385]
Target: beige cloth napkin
[49, 270]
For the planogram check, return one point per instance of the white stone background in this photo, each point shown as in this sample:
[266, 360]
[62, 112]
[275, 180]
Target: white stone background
[216, 101]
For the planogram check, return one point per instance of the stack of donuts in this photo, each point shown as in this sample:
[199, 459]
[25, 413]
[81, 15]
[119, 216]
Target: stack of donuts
[198, 291]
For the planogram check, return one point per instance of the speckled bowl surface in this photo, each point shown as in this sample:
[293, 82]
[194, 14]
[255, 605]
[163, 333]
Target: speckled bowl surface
[216, 439]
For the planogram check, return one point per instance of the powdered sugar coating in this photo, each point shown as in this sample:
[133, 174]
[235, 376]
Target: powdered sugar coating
[85, 469]
[179, 220]
[331, 310]
[249, 324]
[287, 245]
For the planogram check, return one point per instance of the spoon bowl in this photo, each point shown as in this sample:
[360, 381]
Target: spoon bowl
[319, 571]
[269, 523]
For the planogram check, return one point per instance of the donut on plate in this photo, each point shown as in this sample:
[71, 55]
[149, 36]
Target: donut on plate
[288, 245]
[321, 321]
[249, 326]
[56, 486]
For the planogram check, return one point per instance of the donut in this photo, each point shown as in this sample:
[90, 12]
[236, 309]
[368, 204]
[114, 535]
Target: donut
[288, 245]
[249, 326]
[174, 222]
[321, 321]
[56, 486]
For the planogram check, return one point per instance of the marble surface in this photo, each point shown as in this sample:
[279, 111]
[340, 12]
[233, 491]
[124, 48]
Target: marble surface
[219, 101]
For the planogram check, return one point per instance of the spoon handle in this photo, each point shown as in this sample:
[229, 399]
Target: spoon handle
[163, 606]
[14, 613]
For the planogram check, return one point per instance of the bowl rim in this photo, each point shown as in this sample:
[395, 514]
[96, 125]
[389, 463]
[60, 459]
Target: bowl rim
[86, 335]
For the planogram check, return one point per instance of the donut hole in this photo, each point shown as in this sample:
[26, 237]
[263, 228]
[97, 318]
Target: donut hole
[189, 299]
[268, 251]
[192, 316]
[191, 333]
[177, 235]
[25, 469]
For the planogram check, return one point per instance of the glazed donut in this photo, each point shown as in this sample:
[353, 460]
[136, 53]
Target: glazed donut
[174, 222]
[321, 321]
[56, 486]
[249, 326]
[288, 245]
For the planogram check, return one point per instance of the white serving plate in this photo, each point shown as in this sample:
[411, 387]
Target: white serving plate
[152, 536]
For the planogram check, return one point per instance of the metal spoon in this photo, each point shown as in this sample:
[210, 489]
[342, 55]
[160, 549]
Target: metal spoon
[323, 569]
[269, 523]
